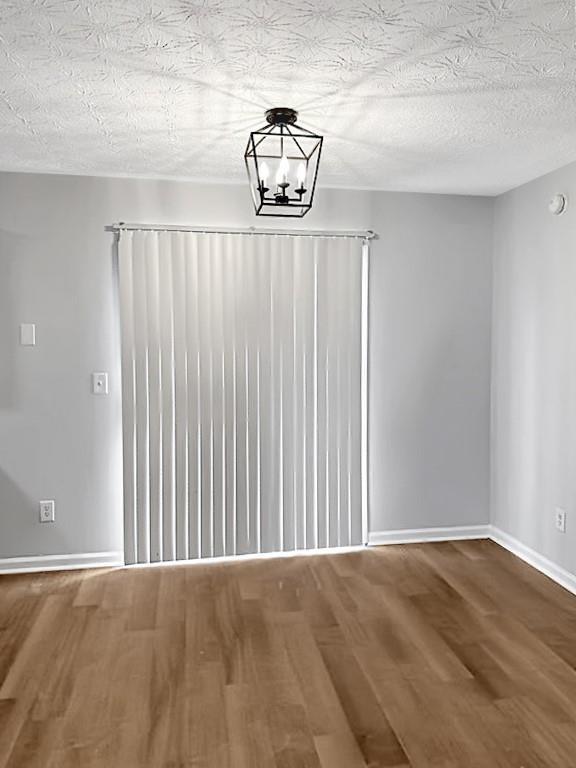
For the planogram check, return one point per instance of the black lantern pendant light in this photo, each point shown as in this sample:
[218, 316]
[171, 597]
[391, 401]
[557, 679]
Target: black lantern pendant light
[282, 162]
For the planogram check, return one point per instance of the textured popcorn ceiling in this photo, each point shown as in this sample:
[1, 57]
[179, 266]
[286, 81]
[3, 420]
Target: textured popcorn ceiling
[472, 96]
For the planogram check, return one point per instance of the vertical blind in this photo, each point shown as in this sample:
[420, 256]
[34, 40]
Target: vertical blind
[242, 361]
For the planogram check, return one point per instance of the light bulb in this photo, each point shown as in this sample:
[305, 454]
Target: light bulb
[282, 172]
[264, 173]
[301, 174]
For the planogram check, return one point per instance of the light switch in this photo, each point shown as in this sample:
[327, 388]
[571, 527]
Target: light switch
[27, 334]
[99, 383]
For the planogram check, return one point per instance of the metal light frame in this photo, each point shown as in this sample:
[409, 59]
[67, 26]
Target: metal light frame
[282, 137]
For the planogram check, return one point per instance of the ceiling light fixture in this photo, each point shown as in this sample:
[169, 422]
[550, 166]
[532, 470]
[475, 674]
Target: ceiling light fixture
[282, 163]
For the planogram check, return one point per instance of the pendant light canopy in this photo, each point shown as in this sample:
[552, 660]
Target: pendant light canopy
[282, 163]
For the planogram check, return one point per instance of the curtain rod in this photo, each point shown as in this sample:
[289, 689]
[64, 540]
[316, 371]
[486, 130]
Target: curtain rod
[122, 226]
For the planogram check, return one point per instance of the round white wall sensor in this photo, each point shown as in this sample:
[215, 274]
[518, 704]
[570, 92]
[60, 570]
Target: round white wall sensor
[558, 204]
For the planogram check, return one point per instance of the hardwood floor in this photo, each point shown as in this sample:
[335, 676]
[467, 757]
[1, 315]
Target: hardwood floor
[453, 655]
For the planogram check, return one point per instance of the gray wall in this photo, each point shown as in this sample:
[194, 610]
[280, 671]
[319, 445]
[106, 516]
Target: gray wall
[534, 367]
[429, 355]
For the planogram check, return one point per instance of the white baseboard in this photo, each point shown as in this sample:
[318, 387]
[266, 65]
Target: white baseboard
[535, 559]
[61, 562]
[421, 535]
[407, 536]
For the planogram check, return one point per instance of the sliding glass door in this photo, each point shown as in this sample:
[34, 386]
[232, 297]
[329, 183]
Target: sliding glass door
[242, 393]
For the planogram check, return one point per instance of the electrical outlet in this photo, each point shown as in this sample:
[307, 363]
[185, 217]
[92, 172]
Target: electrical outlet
[560, 517]
[47, 511]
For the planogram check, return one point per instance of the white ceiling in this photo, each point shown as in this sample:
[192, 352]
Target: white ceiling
[467, 96]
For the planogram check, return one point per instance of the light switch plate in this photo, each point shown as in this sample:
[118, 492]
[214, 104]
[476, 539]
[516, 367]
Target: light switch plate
[100, 383]
[27, 334]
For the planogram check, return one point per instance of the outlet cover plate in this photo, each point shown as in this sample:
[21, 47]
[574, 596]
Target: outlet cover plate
[47, 509]
[560, 519]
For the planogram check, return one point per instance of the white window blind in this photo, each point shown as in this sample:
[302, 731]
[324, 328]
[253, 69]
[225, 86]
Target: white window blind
[243, 358]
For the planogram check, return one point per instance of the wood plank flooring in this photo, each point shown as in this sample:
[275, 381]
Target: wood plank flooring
[453, 655]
